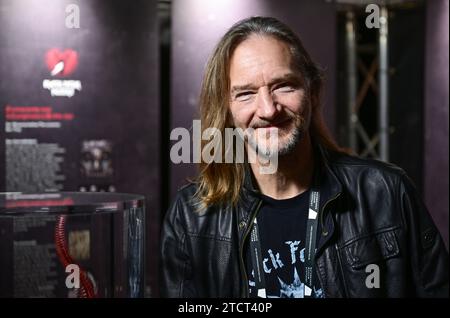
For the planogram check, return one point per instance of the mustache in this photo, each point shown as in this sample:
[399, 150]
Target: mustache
[265, 123]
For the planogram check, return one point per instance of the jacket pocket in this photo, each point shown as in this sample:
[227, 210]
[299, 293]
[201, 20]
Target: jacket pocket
[371, 249]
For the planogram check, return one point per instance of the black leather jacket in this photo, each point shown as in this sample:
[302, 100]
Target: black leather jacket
[370, 214]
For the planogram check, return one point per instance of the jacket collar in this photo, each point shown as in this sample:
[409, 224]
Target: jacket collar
[330, 184]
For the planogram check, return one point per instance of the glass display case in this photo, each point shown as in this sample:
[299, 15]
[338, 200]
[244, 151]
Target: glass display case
[72, 244]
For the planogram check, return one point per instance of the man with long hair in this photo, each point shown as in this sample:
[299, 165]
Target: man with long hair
[323, 224]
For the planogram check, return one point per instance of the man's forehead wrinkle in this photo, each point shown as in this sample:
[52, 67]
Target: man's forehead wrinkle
[248, 72]
[258, 72]
[249, 63]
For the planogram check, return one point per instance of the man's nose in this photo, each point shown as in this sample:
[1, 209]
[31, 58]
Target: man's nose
[267, 107]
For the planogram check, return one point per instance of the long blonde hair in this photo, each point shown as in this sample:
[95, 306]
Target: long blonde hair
[220, 183]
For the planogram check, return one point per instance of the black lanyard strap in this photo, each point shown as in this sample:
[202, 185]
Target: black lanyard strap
[310, 248]
[255, 245]
[310, 243]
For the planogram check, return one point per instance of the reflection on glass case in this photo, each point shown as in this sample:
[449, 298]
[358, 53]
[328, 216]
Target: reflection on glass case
[71, 244]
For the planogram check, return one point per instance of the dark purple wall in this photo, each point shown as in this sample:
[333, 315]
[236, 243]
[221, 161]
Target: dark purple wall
[117, 46]
[436, 114]
[198, 25]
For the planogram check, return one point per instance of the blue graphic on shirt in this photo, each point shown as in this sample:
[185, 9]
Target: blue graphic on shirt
[274, 265]
[294, 290]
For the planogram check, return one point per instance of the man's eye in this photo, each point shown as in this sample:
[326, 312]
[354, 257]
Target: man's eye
[284, 88]
[243, 96]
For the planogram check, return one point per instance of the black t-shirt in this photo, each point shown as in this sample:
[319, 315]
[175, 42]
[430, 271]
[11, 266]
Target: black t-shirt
[282, 227]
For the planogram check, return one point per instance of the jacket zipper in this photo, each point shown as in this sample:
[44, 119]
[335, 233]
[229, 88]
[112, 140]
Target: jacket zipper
[241, 259]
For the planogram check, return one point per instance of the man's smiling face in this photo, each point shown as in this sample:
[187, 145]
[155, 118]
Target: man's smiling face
[267, 94]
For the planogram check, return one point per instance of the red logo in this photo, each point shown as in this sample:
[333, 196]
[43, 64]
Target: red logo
[61, 63]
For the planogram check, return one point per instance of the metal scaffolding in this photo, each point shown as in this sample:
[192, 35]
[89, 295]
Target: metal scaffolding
[383, 80]
[358, 138]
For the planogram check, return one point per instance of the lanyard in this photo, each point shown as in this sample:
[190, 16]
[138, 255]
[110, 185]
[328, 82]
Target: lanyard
[310, 249]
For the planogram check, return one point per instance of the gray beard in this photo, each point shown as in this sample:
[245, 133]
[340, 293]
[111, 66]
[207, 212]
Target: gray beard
[288, 148]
